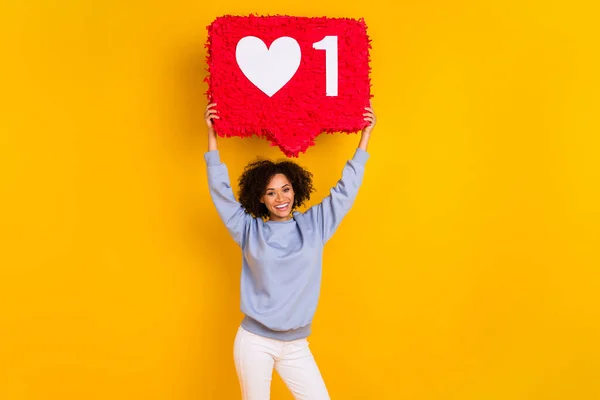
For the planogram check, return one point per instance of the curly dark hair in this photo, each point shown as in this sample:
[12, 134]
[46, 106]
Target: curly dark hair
[257, 175]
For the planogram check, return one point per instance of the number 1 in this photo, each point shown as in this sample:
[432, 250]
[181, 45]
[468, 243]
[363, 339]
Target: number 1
[330, 45]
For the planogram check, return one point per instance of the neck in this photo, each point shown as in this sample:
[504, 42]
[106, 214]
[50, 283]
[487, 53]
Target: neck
[279, 219]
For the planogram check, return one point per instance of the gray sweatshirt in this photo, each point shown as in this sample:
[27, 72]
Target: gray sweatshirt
[282, 261]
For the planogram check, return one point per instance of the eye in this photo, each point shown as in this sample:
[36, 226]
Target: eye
[270, 193]
[286, 190]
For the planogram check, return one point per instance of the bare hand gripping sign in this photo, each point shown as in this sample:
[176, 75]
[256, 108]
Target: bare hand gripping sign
[288, 79]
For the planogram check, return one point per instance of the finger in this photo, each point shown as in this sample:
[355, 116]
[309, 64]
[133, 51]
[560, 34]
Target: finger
[370, 110]
[211, 105]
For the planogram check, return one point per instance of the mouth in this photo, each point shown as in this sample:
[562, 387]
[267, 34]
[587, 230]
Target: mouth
[282, 207]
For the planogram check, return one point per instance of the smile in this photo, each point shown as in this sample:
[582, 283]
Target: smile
[282, 207]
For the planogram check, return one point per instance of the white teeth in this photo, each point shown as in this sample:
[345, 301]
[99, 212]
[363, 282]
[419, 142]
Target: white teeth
[282, 206]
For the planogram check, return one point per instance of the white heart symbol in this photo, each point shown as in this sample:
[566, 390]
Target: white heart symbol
[268, 69]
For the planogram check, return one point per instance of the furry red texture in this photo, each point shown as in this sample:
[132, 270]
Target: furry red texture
[298, 112]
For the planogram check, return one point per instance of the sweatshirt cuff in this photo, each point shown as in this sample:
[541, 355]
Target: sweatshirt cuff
[212, 158]
[361, 156]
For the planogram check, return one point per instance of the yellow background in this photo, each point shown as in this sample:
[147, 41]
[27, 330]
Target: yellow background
[467, 269]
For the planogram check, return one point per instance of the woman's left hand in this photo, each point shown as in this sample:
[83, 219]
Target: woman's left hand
[369, 116]
[366, 132]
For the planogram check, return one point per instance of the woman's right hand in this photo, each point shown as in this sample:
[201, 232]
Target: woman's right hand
[209, 115]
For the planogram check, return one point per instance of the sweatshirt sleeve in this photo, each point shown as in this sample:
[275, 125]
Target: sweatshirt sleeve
[329, 213]
[231, 212]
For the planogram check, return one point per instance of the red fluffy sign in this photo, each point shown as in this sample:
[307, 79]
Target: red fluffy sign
[288, 79]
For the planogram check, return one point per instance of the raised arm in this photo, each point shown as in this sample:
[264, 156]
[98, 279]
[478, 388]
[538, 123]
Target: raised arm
[229, 209]
[329, 213]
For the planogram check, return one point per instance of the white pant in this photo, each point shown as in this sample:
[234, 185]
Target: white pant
[255, 357]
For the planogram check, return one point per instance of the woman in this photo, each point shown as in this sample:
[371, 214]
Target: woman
[281, 264]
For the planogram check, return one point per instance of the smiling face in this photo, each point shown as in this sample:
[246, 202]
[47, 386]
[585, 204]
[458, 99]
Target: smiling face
[279, 198]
